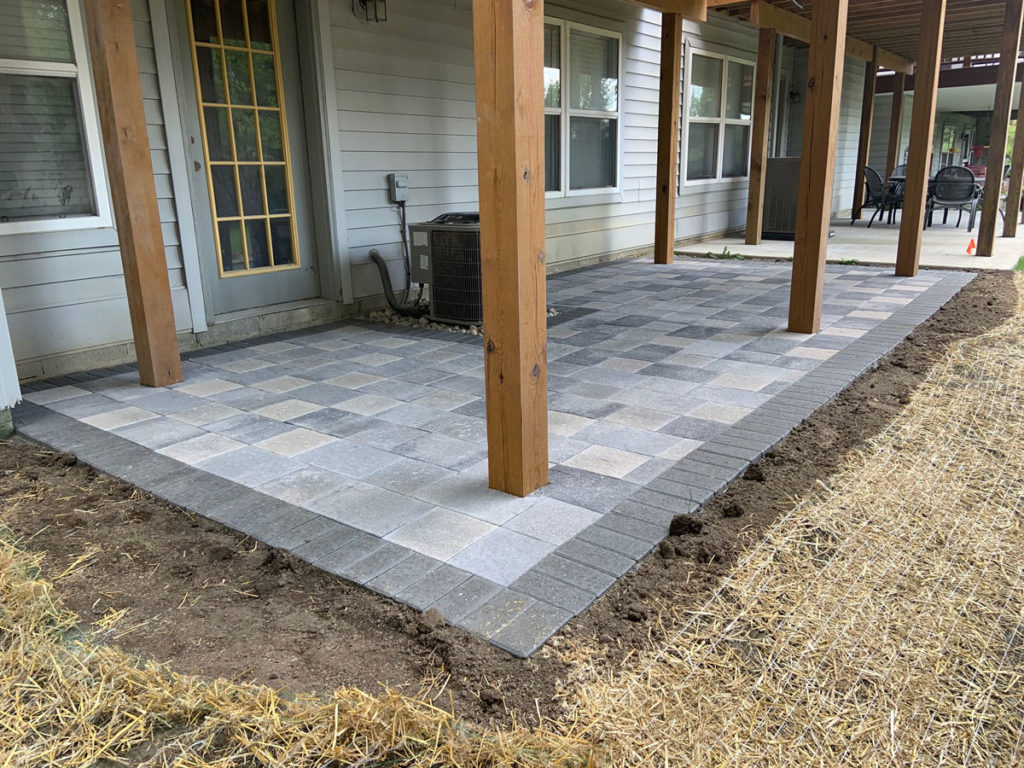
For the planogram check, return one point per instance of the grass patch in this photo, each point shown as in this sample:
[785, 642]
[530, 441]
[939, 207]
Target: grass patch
[725, 254]
[1019, 266]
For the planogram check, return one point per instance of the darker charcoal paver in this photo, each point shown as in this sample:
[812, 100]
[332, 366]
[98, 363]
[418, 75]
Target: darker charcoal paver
[497, 613]
[465, 597]
[403, 574]
[531, 629]
[542, 586]
[365, 569]
[596, 556]
[432, 587]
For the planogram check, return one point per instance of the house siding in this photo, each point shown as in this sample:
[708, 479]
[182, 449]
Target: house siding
[64, 291]
[406, 105]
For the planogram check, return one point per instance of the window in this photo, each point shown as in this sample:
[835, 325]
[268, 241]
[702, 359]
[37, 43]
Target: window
[51, 171]
[719, 108]
[581, 108]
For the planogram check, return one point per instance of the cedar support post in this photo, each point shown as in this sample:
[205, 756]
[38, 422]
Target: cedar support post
[508, 48]
[1000, 127]
[922, 126]
[867, 115]
[817, 164]
[892, 157]
[133, 190]
[668, 137]
[766, 43]
[1016, 177]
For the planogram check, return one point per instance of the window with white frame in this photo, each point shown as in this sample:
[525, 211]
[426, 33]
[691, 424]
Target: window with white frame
[51, 171]
[719, 110]
[581, 108]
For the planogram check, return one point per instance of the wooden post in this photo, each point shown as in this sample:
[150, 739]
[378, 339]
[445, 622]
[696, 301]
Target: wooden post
[766, 42]
[817, 163]
[892, 157]
[867, 114]
[922, 126]
[1016, 177]
[133, 190]
[668, 137]
[508, 50]
[1000, 126]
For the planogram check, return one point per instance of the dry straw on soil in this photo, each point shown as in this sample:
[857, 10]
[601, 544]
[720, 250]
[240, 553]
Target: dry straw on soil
[880, 623]
[69, 700]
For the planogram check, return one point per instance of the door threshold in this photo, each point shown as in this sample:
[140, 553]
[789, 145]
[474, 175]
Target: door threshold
[270, 309]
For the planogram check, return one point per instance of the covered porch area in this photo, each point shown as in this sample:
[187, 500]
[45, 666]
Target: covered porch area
[942, 246]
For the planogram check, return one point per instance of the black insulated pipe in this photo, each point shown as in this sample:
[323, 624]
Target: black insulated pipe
[406, 310]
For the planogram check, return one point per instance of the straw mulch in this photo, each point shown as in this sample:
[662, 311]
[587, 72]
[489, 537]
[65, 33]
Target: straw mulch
[66, 699]
[880, 623]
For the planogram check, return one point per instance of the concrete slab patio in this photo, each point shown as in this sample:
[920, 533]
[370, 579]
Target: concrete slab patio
[362, 448]
[944, 246]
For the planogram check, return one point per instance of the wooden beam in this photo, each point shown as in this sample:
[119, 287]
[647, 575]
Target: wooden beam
[697, 10]
[799, 28]
[668, 137]
[817, 163]
[922, 127]
[133, 190]
[895, 123]
[1016, 177]
[1000, 127]
[508, 51]
[766, 42]
[867, 115]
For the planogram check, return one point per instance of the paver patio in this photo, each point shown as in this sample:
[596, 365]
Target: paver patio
[362, 448]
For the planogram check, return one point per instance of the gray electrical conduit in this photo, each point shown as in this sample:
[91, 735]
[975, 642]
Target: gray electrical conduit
[406, 310]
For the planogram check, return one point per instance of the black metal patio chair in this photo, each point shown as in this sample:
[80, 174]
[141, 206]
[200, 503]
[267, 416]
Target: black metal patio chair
[955, 187]
[879, 196]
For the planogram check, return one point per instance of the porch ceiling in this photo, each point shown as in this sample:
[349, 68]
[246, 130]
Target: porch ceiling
[972, 26]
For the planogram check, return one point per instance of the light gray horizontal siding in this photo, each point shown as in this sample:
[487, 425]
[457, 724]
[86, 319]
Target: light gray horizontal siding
[64, 292]
[406, 105]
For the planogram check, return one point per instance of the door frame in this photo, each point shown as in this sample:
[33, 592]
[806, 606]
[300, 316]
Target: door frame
[328, 234]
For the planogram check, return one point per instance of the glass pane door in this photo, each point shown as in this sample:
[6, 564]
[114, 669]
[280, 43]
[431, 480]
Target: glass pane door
[236, 59]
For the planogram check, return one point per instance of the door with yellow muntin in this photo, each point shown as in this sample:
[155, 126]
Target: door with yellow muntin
[250, 169]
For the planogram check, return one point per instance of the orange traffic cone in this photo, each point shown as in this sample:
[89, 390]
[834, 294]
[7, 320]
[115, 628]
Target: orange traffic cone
[971, 247]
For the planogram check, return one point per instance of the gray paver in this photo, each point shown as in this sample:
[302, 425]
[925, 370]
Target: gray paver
[465, 597]
[617, 541]
[432, 587]
[542, 586]
[380, 560]
[497, 613]
[531, 629]
[403, 574]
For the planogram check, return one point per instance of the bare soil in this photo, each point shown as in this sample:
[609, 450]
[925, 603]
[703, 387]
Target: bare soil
[211, 602]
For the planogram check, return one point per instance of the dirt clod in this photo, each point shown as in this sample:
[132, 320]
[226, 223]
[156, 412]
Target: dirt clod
[636, 612]
[684, 525]
[734, 509]
[430, 620]
[667, 550]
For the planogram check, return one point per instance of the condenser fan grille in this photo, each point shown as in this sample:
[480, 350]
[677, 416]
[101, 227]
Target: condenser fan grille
[455, 292]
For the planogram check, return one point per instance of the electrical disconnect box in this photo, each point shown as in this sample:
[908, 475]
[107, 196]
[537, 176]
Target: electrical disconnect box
[398, 187]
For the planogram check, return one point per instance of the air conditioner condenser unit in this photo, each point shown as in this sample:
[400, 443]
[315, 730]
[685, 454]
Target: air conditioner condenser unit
[445, 255]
